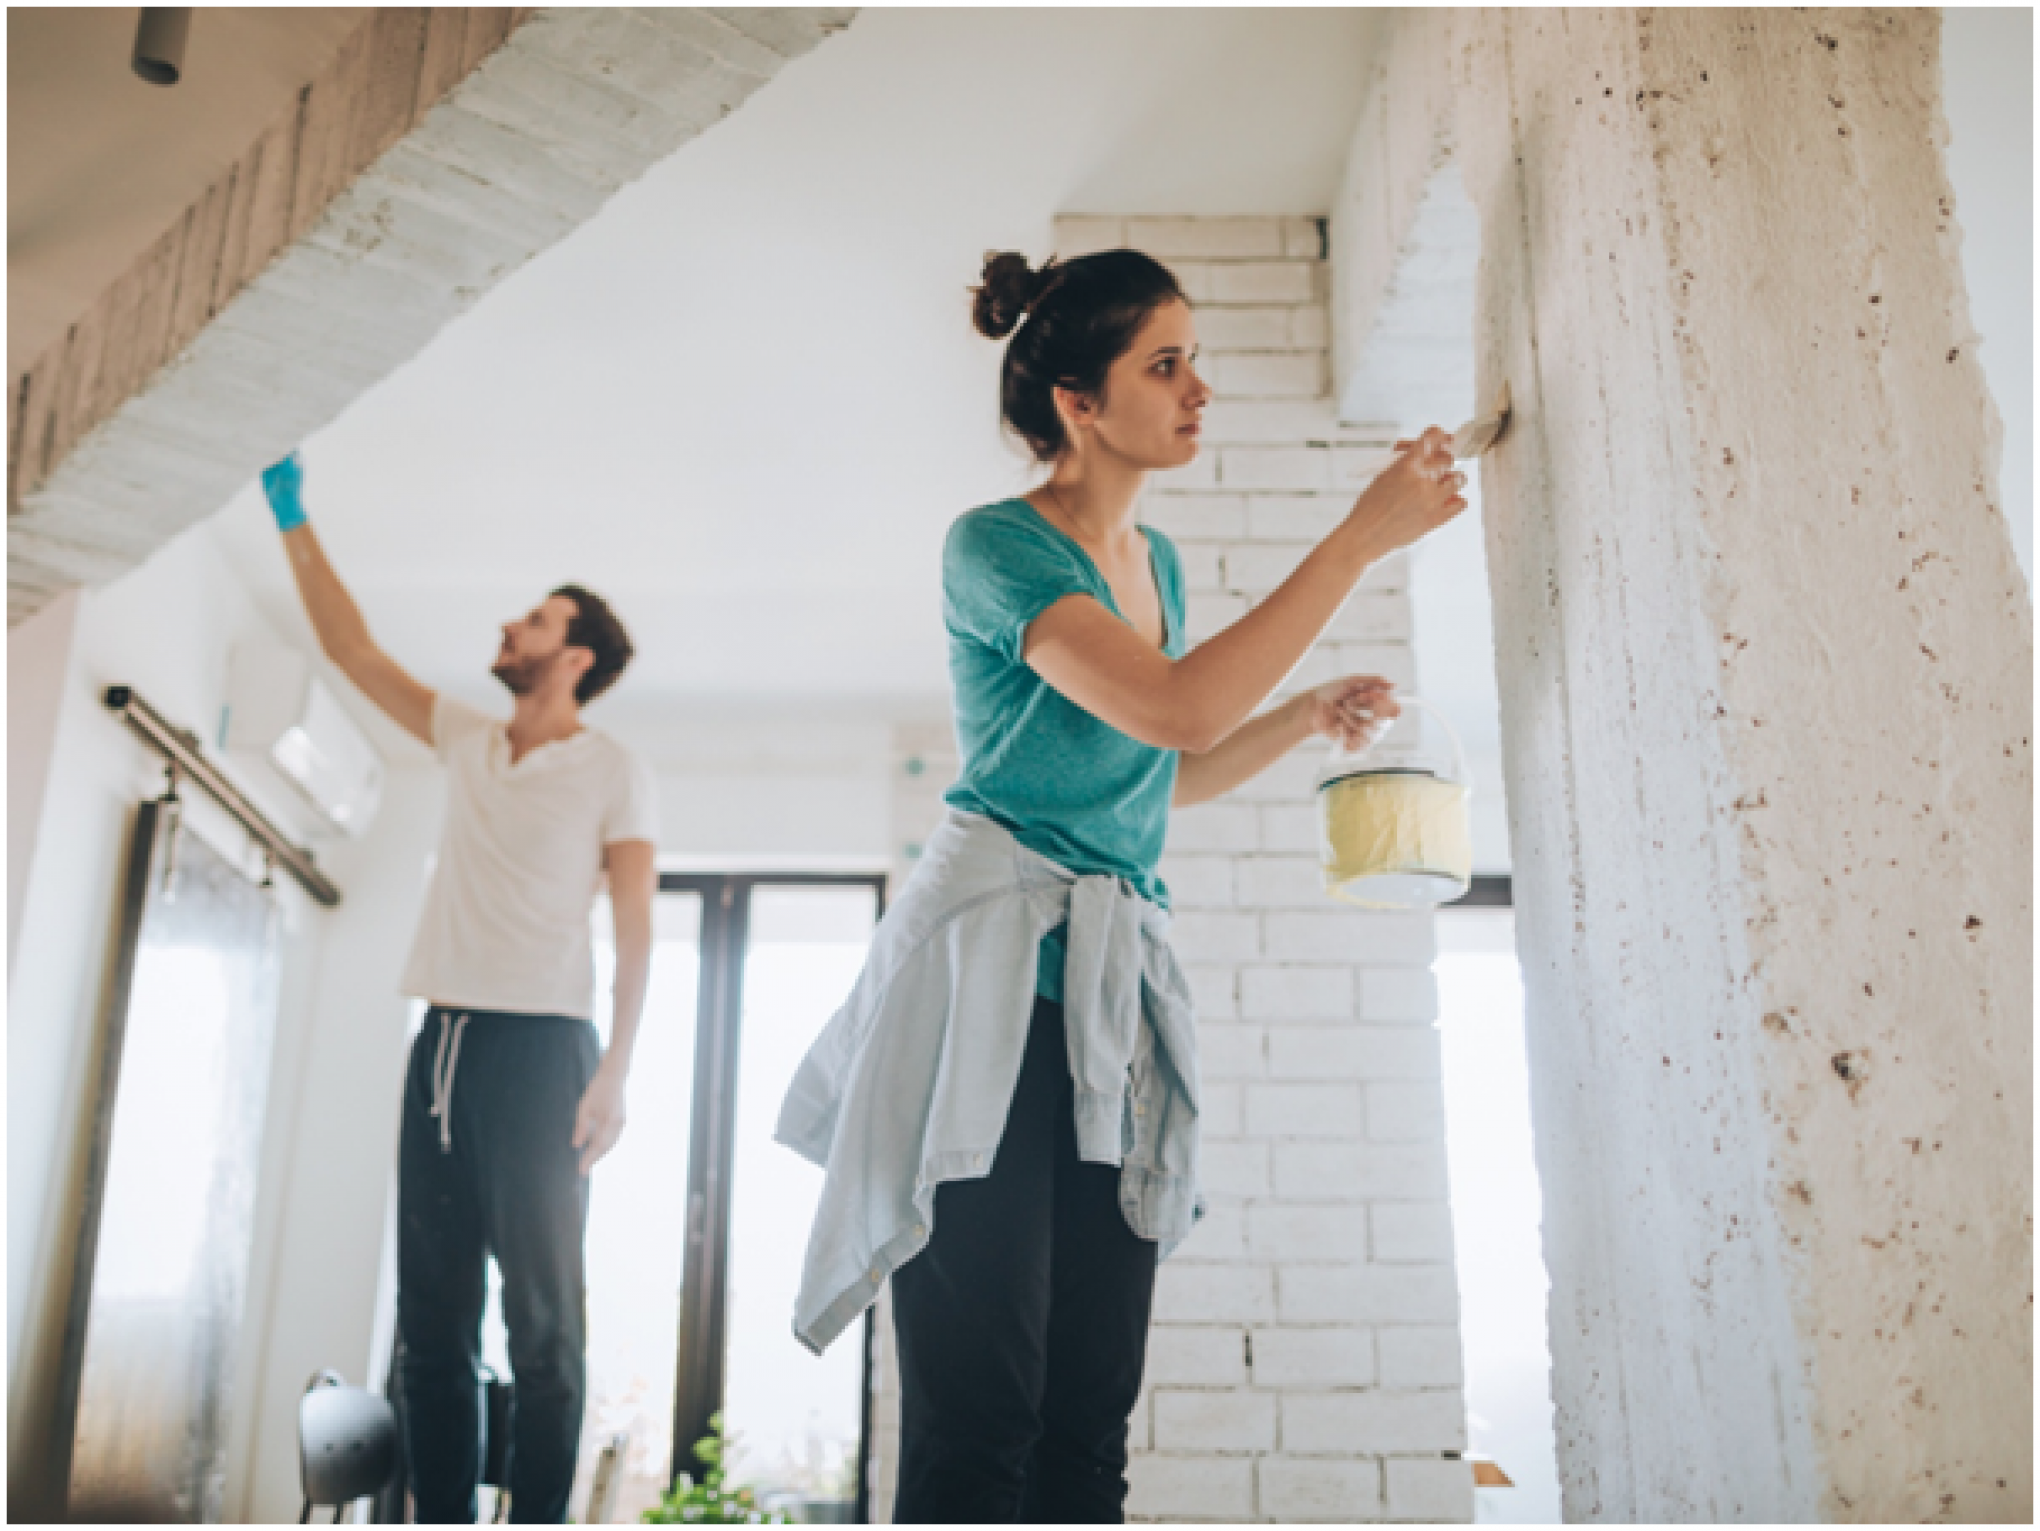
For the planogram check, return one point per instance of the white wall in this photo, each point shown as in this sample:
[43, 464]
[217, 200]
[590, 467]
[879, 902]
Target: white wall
[746, 789]
[38, 661]
[329, 1159]
[1987, 73]
[166, 630]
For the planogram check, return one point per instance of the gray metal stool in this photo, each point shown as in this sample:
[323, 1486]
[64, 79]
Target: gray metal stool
[347, 1443]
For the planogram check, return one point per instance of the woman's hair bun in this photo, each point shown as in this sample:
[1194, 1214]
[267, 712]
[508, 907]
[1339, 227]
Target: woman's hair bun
[1007, 290]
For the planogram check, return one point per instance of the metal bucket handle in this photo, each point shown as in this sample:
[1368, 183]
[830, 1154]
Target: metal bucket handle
[1340, 754]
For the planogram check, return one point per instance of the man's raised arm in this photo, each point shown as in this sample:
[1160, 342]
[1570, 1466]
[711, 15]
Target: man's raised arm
[335, 618]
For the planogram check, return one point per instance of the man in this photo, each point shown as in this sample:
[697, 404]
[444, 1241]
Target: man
[509, 1100]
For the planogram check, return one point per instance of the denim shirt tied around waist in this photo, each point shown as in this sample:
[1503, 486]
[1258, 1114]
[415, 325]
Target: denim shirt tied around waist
[909, 1084]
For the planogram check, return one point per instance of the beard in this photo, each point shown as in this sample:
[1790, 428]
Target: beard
[521, 677]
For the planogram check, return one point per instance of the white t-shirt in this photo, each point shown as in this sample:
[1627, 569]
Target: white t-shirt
[506, 918]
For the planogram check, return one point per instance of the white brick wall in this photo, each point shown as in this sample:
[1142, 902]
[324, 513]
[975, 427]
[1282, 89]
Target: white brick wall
[1303, 1363]
[1311, 1327]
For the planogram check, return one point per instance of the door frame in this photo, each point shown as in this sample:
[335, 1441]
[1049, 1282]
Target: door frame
[718, 1040]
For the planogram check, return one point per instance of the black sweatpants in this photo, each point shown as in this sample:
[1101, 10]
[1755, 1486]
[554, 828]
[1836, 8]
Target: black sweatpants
[1023, 1324]
[493, 1171]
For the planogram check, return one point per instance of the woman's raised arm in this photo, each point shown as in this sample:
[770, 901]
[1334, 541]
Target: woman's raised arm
[1190, 704]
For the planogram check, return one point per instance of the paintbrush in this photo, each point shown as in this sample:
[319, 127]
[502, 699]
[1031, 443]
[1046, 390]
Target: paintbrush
[1476, 436]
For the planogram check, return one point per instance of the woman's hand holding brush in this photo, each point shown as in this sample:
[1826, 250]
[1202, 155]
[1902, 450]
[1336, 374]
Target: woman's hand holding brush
[1418, 492]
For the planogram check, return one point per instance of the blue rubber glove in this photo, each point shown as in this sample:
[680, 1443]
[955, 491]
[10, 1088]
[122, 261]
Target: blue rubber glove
[284, 483]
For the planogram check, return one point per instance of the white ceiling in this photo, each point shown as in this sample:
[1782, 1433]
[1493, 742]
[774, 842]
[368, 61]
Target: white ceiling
[745, 400]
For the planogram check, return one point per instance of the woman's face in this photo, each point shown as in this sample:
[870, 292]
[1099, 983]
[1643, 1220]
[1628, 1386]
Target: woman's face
[1152, 409]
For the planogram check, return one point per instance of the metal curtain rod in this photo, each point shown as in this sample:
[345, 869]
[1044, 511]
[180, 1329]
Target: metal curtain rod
[181, 747]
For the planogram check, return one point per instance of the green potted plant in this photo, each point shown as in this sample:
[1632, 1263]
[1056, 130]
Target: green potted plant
[710, 1502]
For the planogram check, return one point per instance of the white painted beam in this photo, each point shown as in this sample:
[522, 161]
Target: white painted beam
[341, 244]
[1397, 234]
[1415, 368]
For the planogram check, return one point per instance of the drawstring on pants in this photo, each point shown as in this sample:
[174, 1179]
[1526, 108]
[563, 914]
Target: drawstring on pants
[444, 1061]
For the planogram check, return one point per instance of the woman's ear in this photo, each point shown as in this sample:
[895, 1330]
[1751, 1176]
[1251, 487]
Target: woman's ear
[1077, 410]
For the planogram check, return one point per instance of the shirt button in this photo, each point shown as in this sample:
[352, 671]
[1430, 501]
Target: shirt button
[876, 1274]
[920, 1232]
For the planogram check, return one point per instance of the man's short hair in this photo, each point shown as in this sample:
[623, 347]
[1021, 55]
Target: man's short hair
[596, 629]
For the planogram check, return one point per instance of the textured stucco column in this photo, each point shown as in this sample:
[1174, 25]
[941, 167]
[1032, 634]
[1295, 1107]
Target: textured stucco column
[1766, 667]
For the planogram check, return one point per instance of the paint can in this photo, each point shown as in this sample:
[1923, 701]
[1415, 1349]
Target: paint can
[1394, 826]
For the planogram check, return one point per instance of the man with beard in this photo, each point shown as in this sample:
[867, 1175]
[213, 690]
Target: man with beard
[510, 1098]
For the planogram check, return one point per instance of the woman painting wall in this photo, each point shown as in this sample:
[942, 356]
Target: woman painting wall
[1007, 1105]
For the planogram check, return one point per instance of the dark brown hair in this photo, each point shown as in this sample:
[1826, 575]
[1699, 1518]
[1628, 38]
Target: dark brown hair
[1069, 323]
[596, 629]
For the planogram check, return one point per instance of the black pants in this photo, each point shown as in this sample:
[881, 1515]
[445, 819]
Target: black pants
[1023, 1325]
[495, 1172]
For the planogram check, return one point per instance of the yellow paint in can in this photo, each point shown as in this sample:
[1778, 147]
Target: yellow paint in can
[1395, 835]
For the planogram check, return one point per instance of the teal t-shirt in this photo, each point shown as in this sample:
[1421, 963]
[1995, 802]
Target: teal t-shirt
[1064, 783]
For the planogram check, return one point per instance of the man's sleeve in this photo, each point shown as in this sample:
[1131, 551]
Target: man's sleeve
[633, 811]
[453, 722]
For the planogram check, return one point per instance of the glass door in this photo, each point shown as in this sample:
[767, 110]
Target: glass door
[146, 1370]
[779, 954]
[698, 1221]
[636, 1228]
[795, 1420]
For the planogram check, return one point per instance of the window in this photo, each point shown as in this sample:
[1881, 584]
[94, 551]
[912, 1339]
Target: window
[698, 1220]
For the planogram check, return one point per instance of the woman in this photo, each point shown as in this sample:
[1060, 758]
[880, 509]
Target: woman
[1007, 1104]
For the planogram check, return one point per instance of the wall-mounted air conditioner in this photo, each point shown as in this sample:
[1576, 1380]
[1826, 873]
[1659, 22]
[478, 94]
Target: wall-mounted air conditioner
[284, 721]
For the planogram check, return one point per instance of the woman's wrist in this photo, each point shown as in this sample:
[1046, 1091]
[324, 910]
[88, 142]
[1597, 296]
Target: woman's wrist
[1302, 717]
[1363, 537]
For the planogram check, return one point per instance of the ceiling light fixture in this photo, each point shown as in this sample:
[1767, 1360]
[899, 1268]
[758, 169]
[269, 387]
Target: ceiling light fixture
[159, 43]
